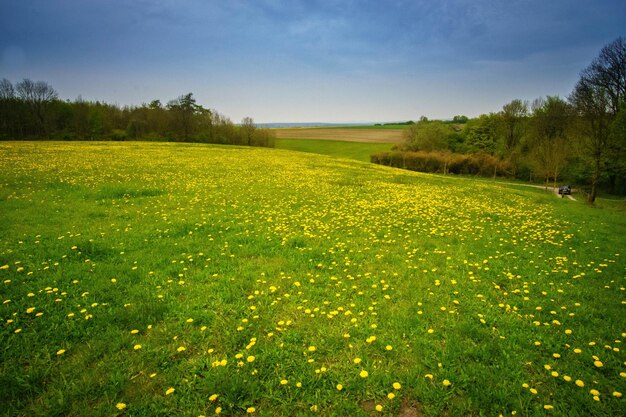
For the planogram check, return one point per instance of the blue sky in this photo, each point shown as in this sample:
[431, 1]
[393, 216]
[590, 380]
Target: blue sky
[310, 60]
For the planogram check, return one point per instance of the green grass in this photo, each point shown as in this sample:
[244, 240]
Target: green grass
[131, 269]
[360, 151]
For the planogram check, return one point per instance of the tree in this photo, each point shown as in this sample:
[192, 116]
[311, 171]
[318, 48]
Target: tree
[597, 98]
[480, 134]
[608, 73]
[38, 96]
[512, 127]
[426, 136]
[246, 130]
[183, 109]
[550, 139]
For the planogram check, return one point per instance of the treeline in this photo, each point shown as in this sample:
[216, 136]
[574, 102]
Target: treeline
[581, 139]
[32, 110]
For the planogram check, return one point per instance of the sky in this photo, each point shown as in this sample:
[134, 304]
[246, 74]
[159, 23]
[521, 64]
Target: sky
[309, 60]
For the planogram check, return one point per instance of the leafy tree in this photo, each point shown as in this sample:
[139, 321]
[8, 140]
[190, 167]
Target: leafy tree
[426, 136]
[550, 138]
[512, 128]
[480, 134]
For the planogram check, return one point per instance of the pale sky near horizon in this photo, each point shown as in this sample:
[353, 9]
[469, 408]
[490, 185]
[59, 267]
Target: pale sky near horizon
[306, 60]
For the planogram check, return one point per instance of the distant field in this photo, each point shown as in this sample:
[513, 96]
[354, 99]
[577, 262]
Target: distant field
[347, 134]
[360, 151]
[174, 279]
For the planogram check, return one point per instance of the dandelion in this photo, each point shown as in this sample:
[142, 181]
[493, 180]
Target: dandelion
[594, 392]
[548, 407]
[250, 410]
[429, 376]
[213, 397]
[579, 383]
[446, 383]
[598, 364]
[181, 349]
[250, 359]
[218, 410]
[312, 348]
[391, 395]
[339, 387]
[137, 347]
[357, 360]
[363, 374]
[396, 385]
[169, 391]
[134, 331]
[283, 382]
[379, 407]
[120, 406]
[533, 391]
[389, 347]
[617, 394]
[60, 352]
[567, 378]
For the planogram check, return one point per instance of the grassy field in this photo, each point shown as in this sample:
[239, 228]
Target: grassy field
[347, 134]
[183, 279]
[360, 151]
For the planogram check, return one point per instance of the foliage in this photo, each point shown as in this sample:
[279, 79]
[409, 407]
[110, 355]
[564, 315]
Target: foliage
[32, 110]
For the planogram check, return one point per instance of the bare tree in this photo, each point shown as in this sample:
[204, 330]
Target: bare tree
[38, 96]
[608, 72]
[597, 98]
[7, 91]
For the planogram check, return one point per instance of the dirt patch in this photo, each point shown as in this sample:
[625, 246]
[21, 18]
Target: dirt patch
[348, 135]
[409, 409]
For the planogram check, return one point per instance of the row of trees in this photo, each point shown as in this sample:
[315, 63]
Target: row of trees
[581, 139]
[32, 110]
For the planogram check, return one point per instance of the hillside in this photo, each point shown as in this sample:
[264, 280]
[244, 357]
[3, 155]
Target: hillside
[186, 279]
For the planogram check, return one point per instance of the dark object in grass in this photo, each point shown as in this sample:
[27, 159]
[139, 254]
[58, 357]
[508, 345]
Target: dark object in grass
[565, 190]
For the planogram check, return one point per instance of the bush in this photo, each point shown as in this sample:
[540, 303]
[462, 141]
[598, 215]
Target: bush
[443, 162]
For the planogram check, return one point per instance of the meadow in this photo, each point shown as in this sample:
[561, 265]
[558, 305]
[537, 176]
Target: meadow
[148, 279]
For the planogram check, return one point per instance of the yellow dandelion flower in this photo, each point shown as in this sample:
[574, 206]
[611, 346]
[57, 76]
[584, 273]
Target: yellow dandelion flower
[312, 348]
[554, 374]
[60, 351]
[429, 376]
[218, 410]
[357, 360]
[579, 383]
[169, 391]
[533, 391]
[363, 374]
[594, 392]
[567, 378]
[577, 350]
[389, 347]
[137, 347]
[250, 410]
[250, 359]
[396, 385]
[598, 364]
[548, 407]
[120, 406]
[283, 382]
[134, 331]
[339, 387]
[446, 383]
[391, 395]
[181, 349]
[617, 394]
[379, 407]
[213, 397]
